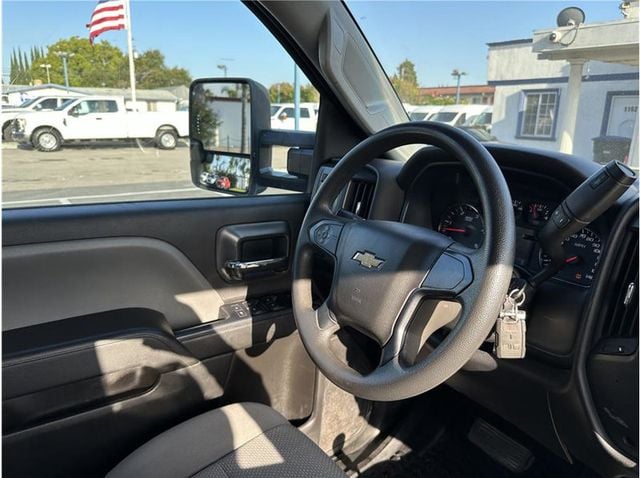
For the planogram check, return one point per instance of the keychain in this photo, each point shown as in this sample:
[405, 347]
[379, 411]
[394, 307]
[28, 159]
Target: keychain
[511, 327]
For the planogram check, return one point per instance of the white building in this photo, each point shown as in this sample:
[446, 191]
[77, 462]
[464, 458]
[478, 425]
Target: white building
[548, 93]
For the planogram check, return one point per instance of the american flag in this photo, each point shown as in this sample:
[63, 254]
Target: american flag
[108, 15]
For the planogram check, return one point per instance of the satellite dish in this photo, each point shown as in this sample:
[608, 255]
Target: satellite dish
[570, 17]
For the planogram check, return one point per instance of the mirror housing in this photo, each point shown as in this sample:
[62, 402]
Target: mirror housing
[226, 118]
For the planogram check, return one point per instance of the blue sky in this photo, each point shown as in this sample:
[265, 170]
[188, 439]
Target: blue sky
[198, 35]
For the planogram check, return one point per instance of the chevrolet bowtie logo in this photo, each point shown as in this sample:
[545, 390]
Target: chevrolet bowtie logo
[368, 260]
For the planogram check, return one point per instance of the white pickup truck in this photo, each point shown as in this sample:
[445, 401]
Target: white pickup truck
[98, 118]
[40, 103]
[283, 116]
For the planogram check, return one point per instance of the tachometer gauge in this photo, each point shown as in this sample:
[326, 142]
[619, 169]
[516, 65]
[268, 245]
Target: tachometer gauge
[464, 224]
[537, 213]
[582, 256]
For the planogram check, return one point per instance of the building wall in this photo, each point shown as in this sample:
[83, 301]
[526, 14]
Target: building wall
[165, 106]
[478, 99]
[513, 69]
[509, 101]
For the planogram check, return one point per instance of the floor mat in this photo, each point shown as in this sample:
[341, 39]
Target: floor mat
[451, 457]
[447, 453]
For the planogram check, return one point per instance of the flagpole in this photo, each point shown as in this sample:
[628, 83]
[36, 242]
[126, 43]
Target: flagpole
[132, 71]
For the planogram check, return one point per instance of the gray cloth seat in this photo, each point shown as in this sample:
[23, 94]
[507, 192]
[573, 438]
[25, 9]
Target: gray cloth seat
[240, 440]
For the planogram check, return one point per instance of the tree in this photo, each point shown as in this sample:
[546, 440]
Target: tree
[437, 100]
[105, 65]
[12, 68]
[405, 82]
[36, 54]
[151, 72]
[91, 66]
[309, 94]
[283, 93]
[407, 72]
[26, 66]
[20, 68]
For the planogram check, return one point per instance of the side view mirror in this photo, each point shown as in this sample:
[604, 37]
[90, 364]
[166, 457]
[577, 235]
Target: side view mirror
[74, 112]
[226, 116]
[282, 116]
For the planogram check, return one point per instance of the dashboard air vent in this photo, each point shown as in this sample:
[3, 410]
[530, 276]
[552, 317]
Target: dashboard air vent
[621, 310]
[359, 197]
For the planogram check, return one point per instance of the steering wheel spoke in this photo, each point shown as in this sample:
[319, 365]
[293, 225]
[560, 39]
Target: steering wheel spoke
[450, 275]
[325, 319]
[325, 234]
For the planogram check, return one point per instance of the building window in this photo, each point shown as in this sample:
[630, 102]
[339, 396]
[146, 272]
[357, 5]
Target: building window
[539, 116]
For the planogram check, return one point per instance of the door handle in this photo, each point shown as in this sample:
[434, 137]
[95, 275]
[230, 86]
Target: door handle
[238, 269]
[98, 118]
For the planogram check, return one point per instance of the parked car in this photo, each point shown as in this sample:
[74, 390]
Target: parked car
[283, 116]
[482, 120]
[98, 118]
[457, 115]
[424, 112]
[41, 103]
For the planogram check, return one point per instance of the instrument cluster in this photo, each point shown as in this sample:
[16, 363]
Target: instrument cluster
[464, 223]
[446, 199]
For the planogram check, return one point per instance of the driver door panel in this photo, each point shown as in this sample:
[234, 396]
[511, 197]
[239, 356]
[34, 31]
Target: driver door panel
[118, 324]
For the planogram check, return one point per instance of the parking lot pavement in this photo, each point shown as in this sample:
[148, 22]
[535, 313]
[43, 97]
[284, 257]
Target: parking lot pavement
[111, 172]
[82, 174]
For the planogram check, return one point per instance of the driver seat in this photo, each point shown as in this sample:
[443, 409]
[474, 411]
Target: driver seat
[240, 440]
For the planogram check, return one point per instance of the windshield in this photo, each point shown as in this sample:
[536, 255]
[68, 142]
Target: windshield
[543, 86]
[64, 104]
[274, 109]
[28, 102]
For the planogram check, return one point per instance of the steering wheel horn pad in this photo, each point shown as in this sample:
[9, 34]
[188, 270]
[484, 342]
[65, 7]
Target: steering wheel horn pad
[385, 270]
[378, 264]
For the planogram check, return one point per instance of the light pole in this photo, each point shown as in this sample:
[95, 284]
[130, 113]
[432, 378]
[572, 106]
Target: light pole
[296, 98]
[46, 67]
[457, 74]
[65, 58]
[223, 67]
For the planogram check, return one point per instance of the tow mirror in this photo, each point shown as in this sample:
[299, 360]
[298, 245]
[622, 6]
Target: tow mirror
[226, 116]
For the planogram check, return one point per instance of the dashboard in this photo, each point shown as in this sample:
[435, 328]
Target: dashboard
[580, 373]
[444, 198]
[579, 376]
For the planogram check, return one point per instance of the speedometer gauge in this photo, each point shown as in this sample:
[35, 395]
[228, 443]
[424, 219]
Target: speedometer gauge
[464, 224]
[582, 256]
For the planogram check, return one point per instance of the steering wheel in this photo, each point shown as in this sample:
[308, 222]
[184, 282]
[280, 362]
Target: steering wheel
[397, 283]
